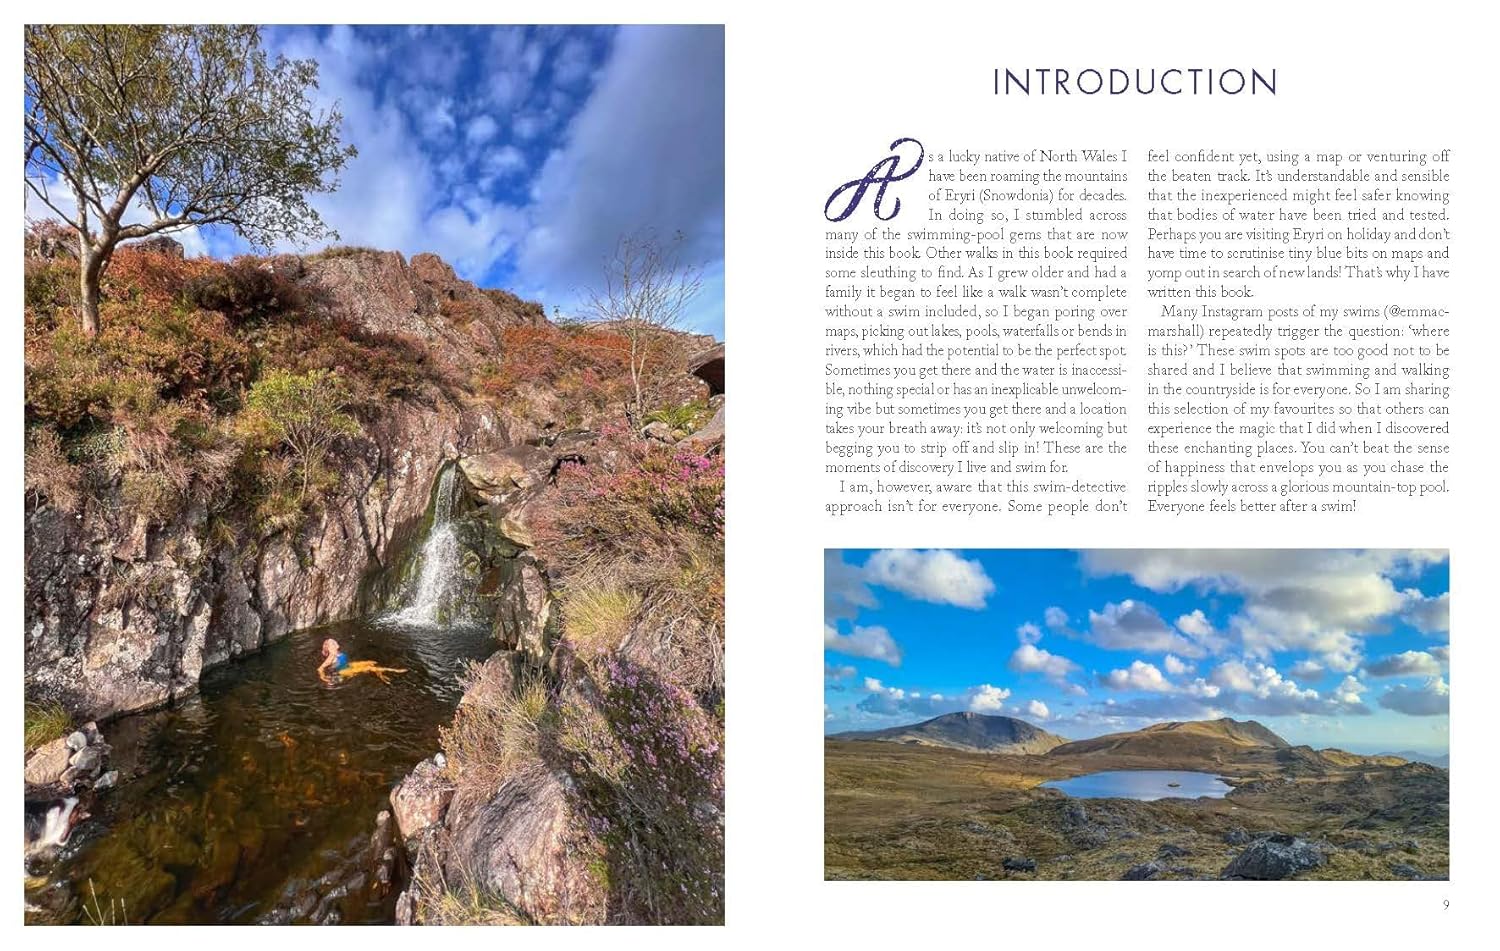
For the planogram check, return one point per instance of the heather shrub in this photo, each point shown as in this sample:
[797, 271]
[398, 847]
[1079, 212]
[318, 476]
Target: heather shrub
[50, 475]
[648, 766]
[50, 283]
[587, 369]
[138, 276]
[641, 508]
[244, 290]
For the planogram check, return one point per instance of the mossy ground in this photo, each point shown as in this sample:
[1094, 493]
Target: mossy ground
[899, 812]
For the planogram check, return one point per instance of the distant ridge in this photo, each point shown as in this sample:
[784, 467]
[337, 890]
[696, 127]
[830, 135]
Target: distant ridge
[1196, 738]
[970, 732]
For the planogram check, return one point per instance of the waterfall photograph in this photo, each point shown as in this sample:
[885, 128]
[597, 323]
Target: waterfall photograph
[374, 475]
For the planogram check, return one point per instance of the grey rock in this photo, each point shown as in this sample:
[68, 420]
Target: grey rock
[1019, 865]
[1142, 872]
[77, 740]
[1237, 836]
[87, 761]
[1170, 851]
[108, 780]
[1274, 858]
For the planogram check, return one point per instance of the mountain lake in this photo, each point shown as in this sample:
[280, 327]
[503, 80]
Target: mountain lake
[1142, 784]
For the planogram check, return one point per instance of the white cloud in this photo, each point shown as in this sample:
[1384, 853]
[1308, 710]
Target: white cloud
[1317, 601]
[1441, 653]
[481, 129]
[845, 593]
[1196, 625]
[938, 576]
[1174, 666]
[988, 699]
[885, 701]
[1429, 700]
[874, 643]
[1348, 691]
[1307, 669]
[645, 152]
[1134, 626]
[1037, 709]
[1405, 664]
[1028, 633]
[1428, 615]
[1139, 676]
[1055, 617]
[1030, 659]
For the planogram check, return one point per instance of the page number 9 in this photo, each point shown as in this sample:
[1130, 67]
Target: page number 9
[1445, 904]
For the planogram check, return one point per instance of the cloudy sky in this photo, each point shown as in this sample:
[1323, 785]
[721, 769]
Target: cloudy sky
[1327, 648]
[521, 154]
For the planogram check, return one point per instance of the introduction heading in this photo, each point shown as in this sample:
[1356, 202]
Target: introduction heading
[1195, 81]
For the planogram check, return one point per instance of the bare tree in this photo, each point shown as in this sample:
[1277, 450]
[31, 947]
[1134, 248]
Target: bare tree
[173, 126]
[645, 291]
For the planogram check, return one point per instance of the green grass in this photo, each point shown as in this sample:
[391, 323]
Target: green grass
[597, 617]
[687, 416]
[45, 722]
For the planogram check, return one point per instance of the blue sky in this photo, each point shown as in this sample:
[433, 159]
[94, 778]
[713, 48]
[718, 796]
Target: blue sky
[521, 154]
[1328, 648]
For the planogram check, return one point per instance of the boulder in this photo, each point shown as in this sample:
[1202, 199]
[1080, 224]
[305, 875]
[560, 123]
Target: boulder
[45, 765]
[1141, 873]
[1170, 851]
[421, 799]
[659, 431]
[1019, 865]
[1237, 836]
[1274, 858]
[520, 847]
[711, 434]
[708, 366]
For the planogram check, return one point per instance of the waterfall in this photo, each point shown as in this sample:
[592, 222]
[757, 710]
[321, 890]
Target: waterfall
[436, 598]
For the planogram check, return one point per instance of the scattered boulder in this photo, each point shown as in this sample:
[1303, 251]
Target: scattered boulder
[1237, 836]
[659, 431]
[1019, 865]
[420, 800]
[1170, 851]
[1274, 858]
[1142, 872]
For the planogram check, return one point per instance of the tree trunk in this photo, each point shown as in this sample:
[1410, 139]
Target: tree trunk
[90, 267]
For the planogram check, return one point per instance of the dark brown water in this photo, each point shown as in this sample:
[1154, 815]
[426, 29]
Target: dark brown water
[236, 803]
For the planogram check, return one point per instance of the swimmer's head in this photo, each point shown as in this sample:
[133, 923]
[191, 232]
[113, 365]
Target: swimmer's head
[330, 646]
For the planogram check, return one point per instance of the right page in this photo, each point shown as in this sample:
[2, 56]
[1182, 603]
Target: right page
[1150, 346]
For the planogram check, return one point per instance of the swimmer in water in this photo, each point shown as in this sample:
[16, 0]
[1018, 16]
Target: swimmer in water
[337, 664]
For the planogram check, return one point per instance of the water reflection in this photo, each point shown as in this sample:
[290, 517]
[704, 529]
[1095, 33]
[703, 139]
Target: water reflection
[266, 778]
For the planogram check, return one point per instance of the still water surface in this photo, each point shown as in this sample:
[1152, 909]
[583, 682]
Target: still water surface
[1142, 784]
[265, 781]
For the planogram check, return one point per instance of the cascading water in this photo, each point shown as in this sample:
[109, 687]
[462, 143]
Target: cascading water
[436, 598]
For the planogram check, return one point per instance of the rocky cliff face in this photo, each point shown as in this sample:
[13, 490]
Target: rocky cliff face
[126, 615]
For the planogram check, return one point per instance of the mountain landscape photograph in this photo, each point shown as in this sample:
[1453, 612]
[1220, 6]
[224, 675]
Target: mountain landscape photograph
[1150, 715]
